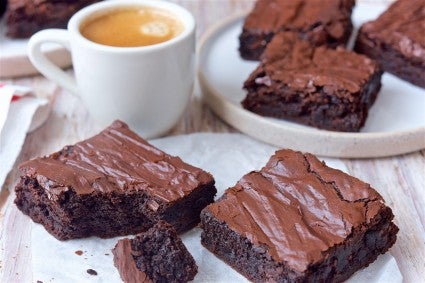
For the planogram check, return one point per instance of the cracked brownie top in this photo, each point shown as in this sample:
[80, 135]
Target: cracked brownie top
[296, 63]
[115, 160]
[296, 207]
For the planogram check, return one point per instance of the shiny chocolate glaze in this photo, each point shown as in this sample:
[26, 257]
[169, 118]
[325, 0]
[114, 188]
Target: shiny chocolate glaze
[115, 160]
[296, 208]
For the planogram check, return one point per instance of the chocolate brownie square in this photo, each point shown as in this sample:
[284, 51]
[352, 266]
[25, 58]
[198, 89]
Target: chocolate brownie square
[3, 4]
[322, 22]
[25, 17]
[331, 89]
[157, 255]
[297, 220]
[112, 184]
[396, 39]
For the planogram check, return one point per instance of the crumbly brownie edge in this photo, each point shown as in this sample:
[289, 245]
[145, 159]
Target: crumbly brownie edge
[161, 254]
[73, 216]
[185, 214]
[82, 216]
[253, 43]
[391, 60]
[254, 263]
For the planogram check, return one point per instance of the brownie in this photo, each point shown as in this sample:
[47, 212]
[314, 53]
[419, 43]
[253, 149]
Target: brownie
[396, 39]
[331, 89]
[323, 22]
[25, 17]
[297, 220]
[3, 4]
[114, 183]
[157, 255]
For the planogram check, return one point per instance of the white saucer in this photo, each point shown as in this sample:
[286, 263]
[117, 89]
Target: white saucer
[396, 122]
[14, 61]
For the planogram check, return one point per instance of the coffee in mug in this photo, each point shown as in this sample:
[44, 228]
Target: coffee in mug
[146, 86]
[132, 27]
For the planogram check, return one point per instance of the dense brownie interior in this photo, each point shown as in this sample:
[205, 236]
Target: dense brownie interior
[157, 255]
[114, 183]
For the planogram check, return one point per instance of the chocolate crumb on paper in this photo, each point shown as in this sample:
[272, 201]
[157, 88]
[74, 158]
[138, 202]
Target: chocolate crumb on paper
[91, 271]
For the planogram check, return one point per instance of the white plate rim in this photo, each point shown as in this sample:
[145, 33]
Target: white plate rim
[320, 142]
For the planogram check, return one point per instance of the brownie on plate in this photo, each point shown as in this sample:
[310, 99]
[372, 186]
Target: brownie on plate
[297, 220]
[331, 89]
[325, 22]
[25, 17]
[114, 183]
[157, 255]
[396, 39]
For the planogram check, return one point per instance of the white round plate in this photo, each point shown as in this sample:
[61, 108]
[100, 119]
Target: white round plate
[396, 122]
[14, 61]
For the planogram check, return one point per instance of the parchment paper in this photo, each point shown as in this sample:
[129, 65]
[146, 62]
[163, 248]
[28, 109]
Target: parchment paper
[22, 116]
[228, 157]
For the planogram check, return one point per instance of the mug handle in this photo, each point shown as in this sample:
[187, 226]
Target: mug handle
[44, 65]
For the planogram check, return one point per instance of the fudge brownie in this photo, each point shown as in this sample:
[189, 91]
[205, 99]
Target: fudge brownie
[331, 89]
[297, 220]
[323, 22]
[396, 39]
[114, 183]
[3, 4]
[157, 255]
[25, 17]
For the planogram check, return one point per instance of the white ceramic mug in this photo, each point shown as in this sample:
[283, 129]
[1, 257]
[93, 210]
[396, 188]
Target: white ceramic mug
[147, 87]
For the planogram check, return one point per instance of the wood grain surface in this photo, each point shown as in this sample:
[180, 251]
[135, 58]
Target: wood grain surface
[400, 179]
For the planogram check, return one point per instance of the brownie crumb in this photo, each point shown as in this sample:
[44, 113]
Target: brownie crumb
[157, 255]
[91, 271]
[79, 252]
[39, 281]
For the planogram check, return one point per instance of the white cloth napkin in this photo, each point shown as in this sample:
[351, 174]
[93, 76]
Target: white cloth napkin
[20, 113]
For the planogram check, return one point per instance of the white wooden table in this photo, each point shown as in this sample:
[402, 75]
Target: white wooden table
[400, 179]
